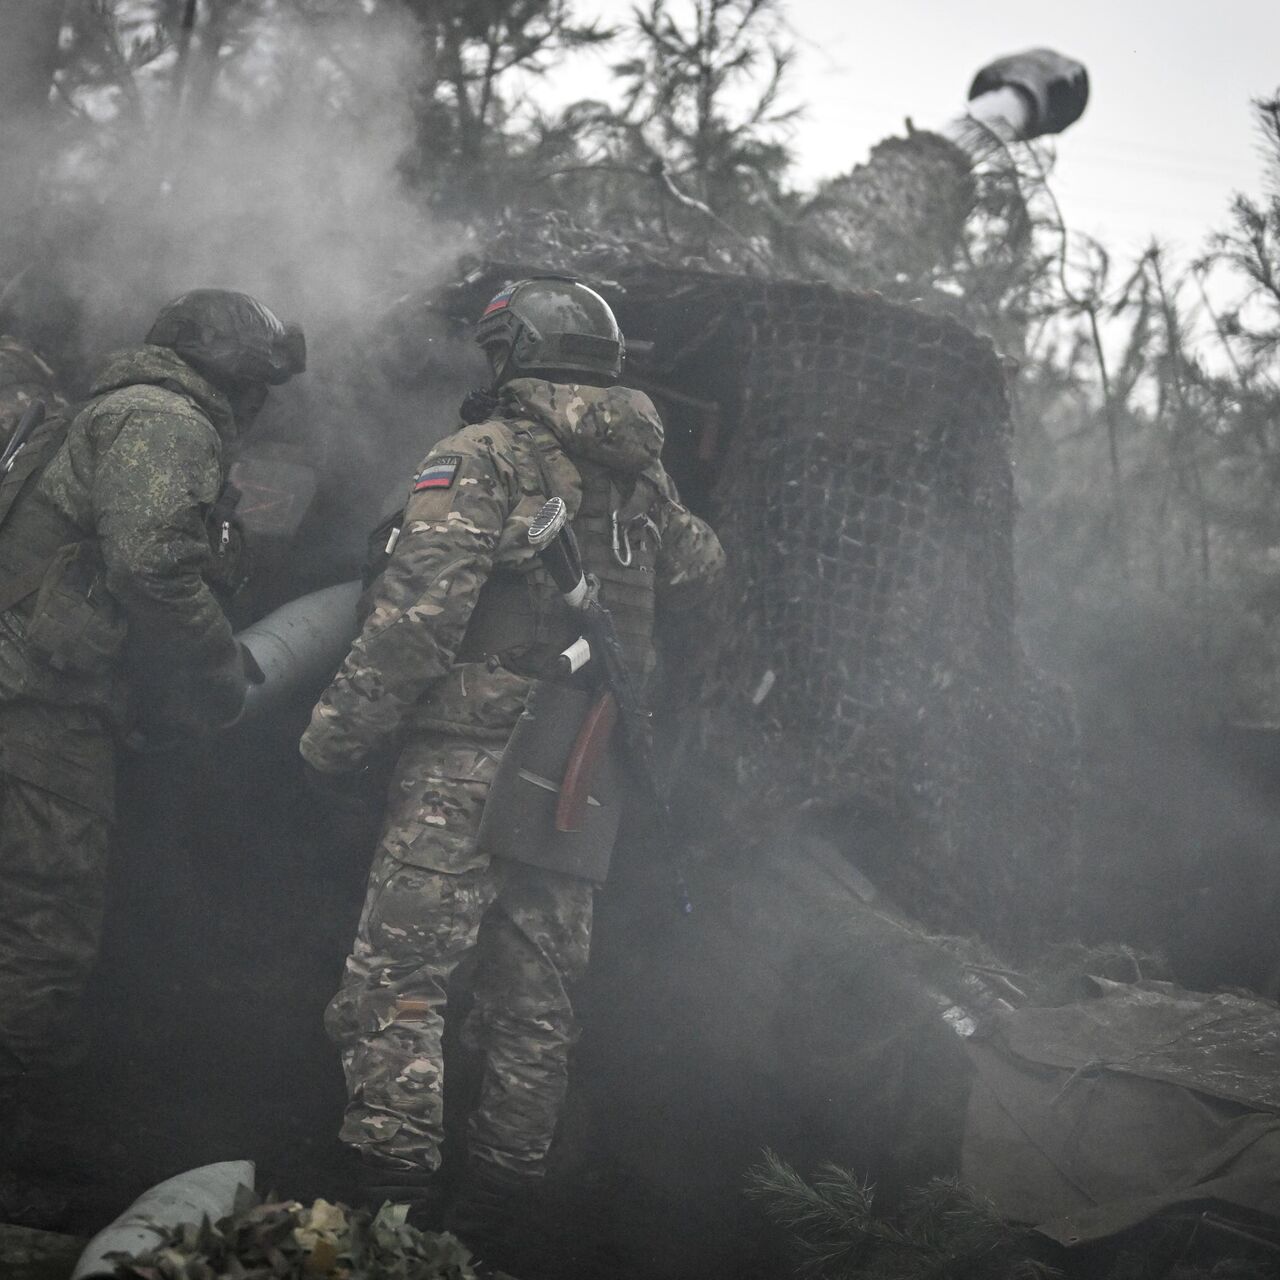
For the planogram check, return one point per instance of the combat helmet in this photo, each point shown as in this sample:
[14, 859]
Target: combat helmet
[551, 324]
[230, 337]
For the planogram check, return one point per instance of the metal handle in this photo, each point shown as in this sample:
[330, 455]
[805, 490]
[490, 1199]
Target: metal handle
[550, 519]
[552, 537]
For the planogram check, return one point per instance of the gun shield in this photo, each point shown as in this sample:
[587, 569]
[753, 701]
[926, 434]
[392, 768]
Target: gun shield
[557, 741]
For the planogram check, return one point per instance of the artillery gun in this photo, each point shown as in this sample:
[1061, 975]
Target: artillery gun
[865, 730]
[864, 766]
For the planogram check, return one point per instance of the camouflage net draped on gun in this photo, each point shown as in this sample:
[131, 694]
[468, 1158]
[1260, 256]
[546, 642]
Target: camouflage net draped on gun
[869, 658]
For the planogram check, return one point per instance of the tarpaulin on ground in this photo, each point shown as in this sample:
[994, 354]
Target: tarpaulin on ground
[1089, 1118]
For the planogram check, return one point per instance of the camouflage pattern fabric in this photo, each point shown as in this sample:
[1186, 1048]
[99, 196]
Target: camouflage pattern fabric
[287, 1241]
[531, 932]
[53, 861]
[434, 895]
[24, 377]
[126, 492]
[141, 463]
[900, 213]
[435, 802]
[453, 538]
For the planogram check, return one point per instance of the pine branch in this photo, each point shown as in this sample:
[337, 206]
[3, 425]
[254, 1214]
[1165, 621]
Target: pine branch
[830, 1221]
[946, 1229]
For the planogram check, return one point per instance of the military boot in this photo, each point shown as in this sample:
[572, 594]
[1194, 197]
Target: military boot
[487, 1209]
[381, 1178]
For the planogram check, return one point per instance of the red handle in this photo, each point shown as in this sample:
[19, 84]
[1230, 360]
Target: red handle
[588, 750]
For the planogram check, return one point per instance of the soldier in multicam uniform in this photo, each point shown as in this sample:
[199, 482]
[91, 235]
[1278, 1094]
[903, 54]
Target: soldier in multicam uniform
[108, 621]
[464, 620]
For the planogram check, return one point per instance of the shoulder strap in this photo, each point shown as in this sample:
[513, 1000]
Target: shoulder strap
[544, 475]
[30, 461]
[26, 467]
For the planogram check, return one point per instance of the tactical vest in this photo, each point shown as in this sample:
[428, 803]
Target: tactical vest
[521, 620]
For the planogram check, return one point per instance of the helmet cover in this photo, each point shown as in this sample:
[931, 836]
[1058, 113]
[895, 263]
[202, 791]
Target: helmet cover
[231, 337]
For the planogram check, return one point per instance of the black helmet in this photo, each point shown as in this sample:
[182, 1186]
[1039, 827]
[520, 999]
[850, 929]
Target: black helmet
[549, 324]
[230, 337]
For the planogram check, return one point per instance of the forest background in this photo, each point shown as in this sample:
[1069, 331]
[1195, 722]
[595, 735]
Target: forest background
[334, 152]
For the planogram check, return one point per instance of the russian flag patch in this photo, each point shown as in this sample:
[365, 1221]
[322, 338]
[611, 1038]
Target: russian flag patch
[499, 301]
[438, 473]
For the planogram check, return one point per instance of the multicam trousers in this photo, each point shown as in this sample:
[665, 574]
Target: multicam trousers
[530, 930]
[53, 869]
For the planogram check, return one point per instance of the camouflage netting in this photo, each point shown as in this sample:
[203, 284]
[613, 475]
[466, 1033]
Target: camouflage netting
[284, 1240]
[867, 502]
[853, 454]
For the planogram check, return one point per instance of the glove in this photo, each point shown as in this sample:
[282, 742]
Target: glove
[226, 691]
[253, 673]
[1057, 87]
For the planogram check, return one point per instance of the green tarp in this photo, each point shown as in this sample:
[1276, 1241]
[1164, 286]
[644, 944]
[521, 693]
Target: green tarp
[1089, 1118]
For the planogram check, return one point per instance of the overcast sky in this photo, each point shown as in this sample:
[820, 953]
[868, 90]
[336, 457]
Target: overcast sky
[1168, 134]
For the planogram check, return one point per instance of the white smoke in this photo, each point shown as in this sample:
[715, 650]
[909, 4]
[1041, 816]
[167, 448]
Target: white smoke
[263, 155]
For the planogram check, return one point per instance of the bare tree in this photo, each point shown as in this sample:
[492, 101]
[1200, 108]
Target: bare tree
[476, 53]
[28, 59]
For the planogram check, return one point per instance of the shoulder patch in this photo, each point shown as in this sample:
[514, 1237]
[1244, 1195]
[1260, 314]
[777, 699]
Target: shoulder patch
[500, 301]
[439, 473]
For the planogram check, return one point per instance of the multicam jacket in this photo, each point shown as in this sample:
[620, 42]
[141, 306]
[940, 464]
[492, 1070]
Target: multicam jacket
[113, 529]
[419, 665]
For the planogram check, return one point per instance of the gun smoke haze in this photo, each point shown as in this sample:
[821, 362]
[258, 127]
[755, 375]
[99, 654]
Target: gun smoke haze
[273, 172]
[788, 1010]
[1178, 819]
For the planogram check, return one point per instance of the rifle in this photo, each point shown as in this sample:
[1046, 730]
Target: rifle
[31, 418]
[552, 537]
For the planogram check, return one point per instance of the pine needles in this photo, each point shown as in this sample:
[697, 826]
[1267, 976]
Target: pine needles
[946, 1231]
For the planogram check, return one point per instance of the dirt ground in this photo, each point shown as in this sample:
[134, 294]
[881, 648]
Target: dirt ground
[234, 899]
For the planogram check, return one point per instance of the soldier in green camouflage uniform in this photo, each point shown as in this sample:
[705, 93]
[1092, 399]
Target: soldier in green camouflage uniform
[464, 618]
[108, 623]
